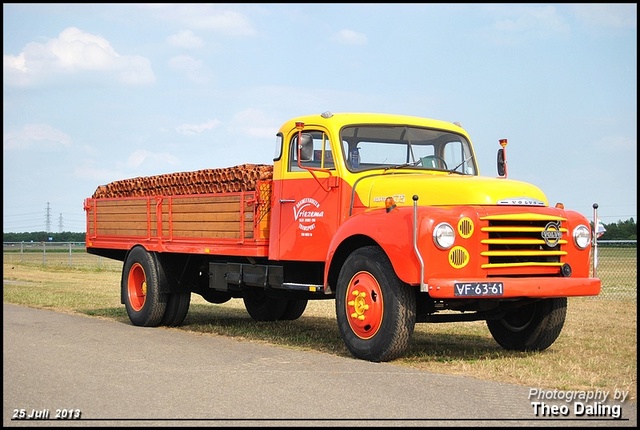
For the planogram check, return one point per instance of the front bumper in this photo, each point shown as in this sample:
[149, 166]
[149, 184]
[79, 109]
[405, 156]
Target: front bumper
[498, 288]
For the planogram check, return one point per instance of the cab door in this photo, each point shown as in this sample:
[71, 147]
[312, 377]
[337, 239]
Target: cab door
[307, 199]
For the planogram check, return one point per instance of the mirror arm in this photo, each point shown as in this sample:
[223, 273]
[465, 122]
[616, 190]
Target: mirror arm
[312, 170]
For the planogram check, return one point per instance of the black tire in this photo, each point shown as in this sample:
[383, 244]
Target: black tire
[262, 307]
[533, 327]
[141, 288]
[177, 309]
[294, 310]
[376, 311]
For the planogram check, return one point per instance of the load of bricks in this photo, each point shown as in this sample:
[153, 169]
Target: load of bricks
[221, 180]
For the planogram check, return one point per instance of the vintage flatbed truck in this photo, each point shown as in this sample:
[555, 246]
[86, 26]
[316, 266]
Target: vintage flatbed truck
[386, 214]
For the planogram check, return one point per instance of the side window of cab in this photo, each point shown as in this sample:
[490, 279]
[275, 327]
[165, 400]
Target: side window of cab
[315, 151]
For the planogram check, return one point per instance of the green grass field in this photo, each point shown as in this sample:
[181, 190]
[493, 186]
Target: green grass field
[597, 348]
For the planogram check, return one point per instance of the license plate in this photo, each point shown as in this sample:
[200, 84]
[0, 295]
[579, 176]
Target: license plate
[478, 289]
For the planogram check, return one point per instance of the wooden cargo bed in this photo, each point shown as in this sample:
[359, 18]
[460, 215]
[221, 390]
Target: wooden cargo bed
[233, 223]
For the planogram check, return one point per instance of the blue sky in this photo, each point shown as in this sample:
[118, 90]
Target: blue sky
[94, 93]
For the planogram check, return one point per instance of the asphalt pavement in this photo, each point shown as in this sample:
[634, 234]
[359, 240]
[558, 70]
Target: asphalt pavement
[73, 370]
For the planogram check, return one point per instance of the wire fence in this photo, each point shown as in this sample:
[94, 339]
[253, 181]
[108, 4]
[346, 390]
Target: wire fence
[56, 255]
[616, 262]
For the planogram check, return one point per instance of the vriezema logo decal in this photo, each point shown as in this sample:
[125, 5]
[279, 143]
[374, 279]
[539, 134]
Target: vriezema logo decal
[306, 212]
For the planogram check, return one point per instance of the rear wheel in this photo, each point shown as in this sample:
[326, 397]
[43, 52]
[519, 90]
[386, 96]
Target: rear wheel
[376, 311]
[177, 309]
[140, 286]
[262, 307]
[533, 327]
[213, 296]
[294, 310]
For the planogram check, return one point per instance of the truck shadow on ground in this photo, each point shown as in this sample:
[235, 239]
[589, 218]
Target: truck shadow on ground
[466, 342]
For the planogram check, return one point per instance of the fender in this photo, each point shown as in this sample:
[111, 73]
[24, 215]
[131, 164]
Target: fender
[392, 231]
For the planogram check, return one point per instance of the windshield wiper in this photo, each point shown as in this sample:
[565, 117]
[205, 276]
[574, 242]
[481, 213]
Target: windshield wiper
[463, 161]
[400, 166]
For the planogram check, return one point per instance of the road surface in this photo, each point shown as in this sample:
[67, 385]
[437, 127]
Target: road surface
[114, 374]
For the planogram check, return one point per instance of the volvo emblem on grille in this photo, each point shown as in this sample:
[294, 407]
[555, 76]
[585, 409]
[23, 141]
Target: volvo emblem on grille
[551, 233]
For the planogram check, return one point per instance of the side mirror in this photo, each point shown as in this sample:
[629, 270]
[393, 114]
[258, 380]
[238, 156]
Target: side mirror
[305, 148]
[501, 163]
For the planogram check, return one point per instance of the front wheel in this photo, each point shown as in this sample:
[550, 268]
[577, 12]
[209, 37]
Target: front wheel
[141, 287]
[376, 311]
[533, 327]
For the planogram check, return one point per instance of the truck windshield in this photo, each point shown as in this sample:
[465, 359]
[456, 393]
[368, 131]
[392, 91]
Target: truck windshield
[368, 147]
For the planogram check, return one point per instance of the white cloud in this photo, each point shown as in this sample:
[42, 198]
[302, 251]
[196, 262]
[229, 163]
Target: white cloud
[608, 15]
[141, 156]
[193, 69]
[96, 174]
[229, 22]
[138, 161]
[254, 123]
[621, 144]
[539, 20]
[36, 135]
[74, 52]
[350, 37]
[186, 40]
[205, 17]
[191, 129]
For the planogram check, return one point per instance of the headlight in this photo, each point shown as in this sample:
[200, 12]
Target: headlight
[581, 236]
[443, 236]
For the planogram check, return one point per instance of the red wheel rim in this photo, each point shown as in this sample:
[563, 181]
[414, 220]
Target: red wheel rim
[364, 305]
[137, 287]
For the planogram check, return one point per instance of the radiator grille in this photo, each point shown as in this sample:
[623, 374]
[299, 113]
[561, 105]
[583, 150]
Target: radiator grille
[518, 240]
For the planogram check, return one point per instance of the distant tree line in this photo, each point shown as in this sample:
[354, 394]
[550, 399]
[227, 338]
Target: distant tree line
[620, 230]
[43, 236]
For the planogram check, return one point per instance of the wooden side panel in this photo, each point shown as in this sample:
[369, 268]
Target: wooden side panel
[215, 216]
[125, 217]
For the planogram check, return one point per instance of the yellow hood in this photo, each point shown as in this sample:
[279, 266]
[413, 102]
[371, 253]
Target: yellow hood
[447, 190]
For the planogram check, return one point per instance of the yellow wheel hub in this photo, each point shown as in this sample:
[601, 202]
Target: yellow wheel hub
[359, 304]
